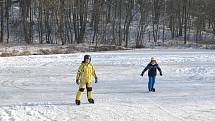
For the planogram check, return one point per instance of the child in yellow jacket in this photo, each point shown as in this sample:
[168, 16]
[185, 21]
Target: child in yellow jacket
[84, 78]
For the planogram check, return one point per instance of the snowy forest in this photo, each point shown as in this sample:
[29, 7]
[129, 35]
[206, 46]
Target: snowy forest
[107, 60]
[112, 22]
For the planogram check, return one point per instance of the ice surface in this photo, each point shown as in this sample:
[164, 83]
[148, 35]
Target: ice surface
[42, 88]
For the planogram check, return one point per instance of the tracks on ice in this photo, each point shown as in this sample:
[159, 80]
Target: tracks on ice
[87, 112]
[161, 108]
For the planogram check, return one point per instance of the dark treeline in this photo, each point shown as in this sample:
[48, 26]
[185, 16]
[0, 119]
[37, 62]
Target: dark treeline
[115, 22]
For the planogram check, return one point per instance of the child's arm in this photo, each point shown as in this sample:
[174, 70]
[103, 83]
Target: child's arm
[94, 75]
[145, 69]
[159, 69]
[80, 70]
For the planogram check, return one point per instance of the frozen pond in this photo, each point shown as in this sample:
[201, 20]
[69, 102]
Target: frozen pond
[42, 88]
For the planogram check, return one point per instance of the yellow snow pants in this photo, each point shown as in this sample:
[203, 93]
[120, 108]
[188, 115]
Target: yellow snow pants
[80, 92]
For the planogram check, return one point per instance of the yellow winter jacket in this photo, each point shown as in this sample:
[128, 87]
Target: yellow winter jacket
[86, 72]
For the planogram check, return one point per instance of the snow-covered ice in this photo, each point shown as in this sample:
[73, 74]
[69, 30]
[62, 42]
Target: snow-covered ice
[42, 88]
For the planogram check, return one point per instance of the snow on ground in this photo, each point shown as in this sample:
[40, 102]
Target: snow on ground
[42, 88]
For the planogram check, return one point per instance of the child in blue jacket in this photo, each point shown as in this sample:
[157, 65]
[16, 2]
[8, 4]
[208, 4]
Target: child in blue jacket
[152, 68]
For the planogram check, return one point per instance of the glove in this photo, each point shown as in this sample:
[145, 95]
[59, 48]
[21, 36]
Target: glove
[161, 74]
[141, 74]
[77, 81]
[96, 80]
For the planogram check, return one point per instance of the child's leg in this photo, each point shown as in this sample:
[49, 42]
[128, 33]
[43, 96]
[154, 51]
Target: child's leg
[89, 91]
[150, 83]
[80, 91]
[153, 81]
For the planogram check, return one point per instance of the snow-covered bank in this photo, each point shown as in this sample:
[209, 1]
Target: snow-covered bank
[42, 88]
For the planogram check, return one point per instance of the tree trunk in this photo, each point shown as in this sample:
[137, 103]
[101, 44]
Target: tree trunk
[2, 21]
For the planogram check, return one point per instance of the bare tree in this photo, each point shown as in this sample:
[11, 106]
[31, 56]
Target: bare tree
[143, 7]
[128, 19]
[2, 3]
[105, 21]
